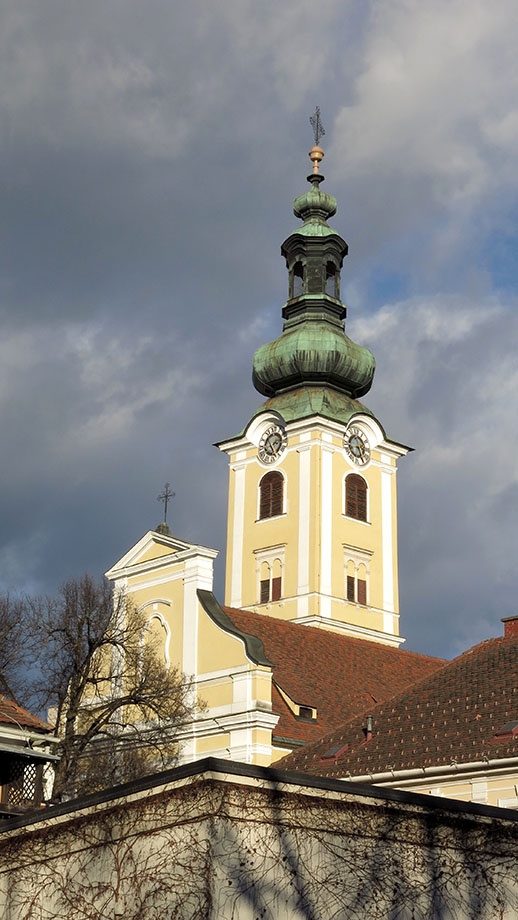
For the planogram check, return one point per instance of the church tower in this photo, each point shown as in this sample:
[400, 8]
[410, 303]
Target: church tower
[312, 526]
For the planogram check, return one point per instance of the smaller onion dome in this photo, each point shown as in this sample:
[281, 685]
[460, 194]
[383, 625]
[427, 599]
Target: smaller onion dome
[315, 207]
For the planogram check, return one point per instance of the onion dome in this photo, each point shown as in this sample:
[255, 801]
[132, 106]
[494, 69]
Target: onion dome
[313, 353]
[313, 349]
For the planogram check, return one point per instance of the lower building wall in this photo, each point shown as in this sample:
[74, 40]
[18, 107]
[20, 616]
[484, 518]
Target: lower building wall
[239, 842]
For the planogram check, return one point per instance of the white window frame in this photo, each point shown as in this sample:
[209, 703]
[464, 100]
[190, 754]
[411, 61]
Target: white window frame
[358, 557]
[268, 555]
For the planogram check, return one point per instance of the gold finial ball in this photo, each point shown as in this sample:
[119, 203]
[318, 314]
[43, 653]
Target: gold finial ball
[316, 155]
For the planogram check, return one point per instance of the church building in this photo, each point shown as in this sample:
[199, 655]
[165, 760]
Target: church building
[309, 633]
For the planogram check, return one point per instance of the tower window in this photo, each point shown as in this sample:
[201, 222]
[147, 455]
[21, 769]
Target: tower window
[356, 497]
[270, 584]
[271, 495]
[331, 280]
[356, 582]
[264, 594]
[297, 280]
[357, 568]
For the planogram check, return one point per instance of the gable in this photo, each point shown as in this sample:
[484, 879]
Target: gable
[152, 547]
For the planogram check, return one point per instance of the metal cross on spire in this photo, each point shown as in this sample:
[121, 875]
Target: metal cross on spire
[165, 496]
[316, 123]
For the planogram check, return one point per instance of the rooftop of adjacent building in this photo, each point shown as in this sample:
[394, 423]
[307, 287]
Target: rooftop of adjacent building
[15, 716]
[463, 712]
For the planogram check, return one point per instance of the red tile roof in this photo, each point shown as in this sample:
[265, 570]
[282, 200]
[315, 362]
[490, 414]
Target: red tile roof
[339, 675]
[453, 714]
[16, 717]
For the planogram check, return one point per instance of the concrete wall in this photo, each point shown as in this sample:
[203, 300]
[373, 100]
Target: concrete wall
[220, 840]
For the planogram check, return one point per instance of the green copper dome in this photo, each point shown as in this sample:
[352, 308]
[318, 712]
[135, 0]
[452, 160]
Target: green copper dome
[314, 208]
[313, 349]
[313, 352]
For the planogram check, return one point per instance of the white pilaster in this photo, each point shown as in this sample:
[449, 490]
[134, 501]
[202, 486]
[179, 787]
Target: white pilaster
[326, 522]
[387, 543]
[241, 738]
[237, 541]
[304, 452]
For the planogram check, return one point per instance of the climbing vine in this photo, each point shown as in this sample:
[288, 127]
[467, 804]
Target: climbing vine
[213, 849]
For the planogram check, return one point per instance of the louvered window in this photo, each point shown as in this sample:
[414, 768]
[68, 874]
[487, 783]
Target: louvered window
[270, 580]
[276, 589]
[362, 592]
[274, 586]
[271, 495]
[350, 588]
[297, 280]
[356, 497]
[330, 283]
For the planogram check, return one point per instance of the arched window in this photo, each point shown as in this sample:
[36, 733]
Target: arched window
[356, 497]
[356, 583]
[298, 280]
[157, 634]
[266, 574]
[361, 585]
[331, 277]
[271, 491]
[276, 580]
[270, 584]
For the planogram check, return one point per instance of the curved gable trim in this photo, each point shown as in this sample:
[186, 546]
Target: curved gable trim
[253, 646]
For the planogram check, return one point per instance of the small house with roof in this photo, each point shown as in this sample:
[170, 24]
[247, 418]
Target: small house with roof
[27, 744]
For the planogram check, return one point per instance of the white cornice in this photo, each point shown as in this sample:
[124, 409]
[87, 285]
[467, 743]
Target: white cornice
[222, 721]
[30, 738]
[393, 449]
[359, 632]
[390, 448]
[129, 564]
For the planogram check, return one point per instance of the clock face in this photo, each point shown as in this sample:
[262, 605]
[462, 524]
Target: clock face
[272, 444]
[357, 446]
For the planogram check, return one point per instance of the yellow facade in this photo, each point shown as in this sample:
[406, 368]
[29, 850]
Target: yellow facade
[312, 542]
[161, 576]
[311, 560]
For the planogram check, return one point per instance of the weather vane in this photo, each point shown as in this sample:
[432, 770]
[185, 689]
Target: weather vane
[316, 123]
[164, 497]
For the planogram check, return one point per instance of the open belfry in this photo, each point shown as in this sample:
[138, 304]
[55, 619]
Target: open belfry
[309, 632]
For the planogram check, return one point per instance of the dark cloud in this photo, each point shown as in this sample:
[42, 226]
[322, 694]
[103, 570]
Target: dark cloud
[449, 372]
[149, 155]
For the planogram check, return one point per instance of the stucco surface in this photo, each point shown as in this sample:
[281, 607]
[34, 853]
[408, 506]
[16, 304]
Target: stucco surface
[243, 843]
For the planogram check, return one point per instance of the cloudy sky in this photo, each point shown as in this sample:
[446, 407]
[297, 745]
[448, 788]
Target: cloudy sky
[149, 156]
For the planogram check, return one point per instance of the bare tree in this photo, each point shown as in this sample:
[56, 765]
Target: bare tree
[118, 707]
[13, 647]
